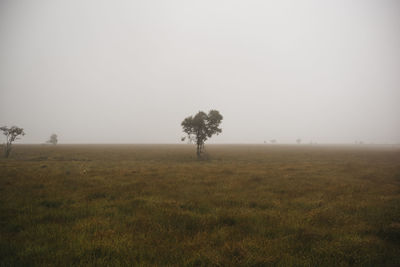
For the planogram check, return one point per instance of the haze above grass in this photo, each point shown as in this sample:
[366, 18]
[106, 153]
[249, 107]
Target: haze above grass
[130, 71]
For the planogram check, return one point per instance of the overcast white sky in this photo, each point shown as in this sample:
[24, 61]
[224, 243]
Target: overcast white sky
[131, 71]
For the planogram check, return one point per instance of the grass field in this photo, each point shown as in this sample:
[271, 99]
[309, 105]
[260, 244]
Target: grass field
[246, 205]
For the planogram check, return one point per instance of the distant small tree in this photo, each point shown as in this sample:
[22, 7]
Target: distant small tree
[201, 127]
[298, 141]
[273, 141]
[11, 134]
[53, 139]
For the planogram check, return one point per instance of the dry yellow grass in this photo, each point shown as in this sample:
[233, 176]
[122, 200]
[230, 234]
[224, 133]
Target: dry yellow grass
[246, 205]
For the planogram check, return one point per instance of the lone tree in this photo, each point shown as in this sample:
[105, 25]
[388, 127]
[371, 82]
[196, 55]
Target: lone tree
[11, 134]
[201, 127]
[53, 139]
[298, 141]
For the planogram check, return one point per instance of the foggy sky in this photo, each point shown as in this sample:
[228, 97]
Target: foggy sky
[131, 71]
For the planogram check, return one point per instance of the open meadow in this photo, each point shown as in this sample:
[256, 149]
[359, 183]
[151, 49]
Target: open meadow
[157, 205]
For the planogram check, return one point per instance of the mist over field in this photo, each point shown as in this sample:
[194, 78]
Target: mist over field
[108, 109]
[131, 71]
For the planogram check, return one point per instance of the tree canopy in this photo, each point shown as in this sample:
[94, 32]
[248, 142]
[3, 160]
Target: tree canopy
[11, 134]
[53, 139]
[202, 126]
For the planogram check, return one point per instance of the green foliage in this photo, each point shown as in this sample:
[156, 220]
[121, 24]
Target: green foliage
[156, 205]
[201, 127]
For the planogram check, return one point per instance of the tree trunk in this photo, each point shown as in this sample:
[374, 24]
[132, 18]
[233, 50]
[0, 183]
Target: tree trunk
[7, 150]
[200, 147]
[198, 150]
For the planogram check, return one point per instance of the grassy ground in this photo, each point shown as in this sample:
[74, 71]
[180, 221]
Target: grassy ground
[157, 205]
